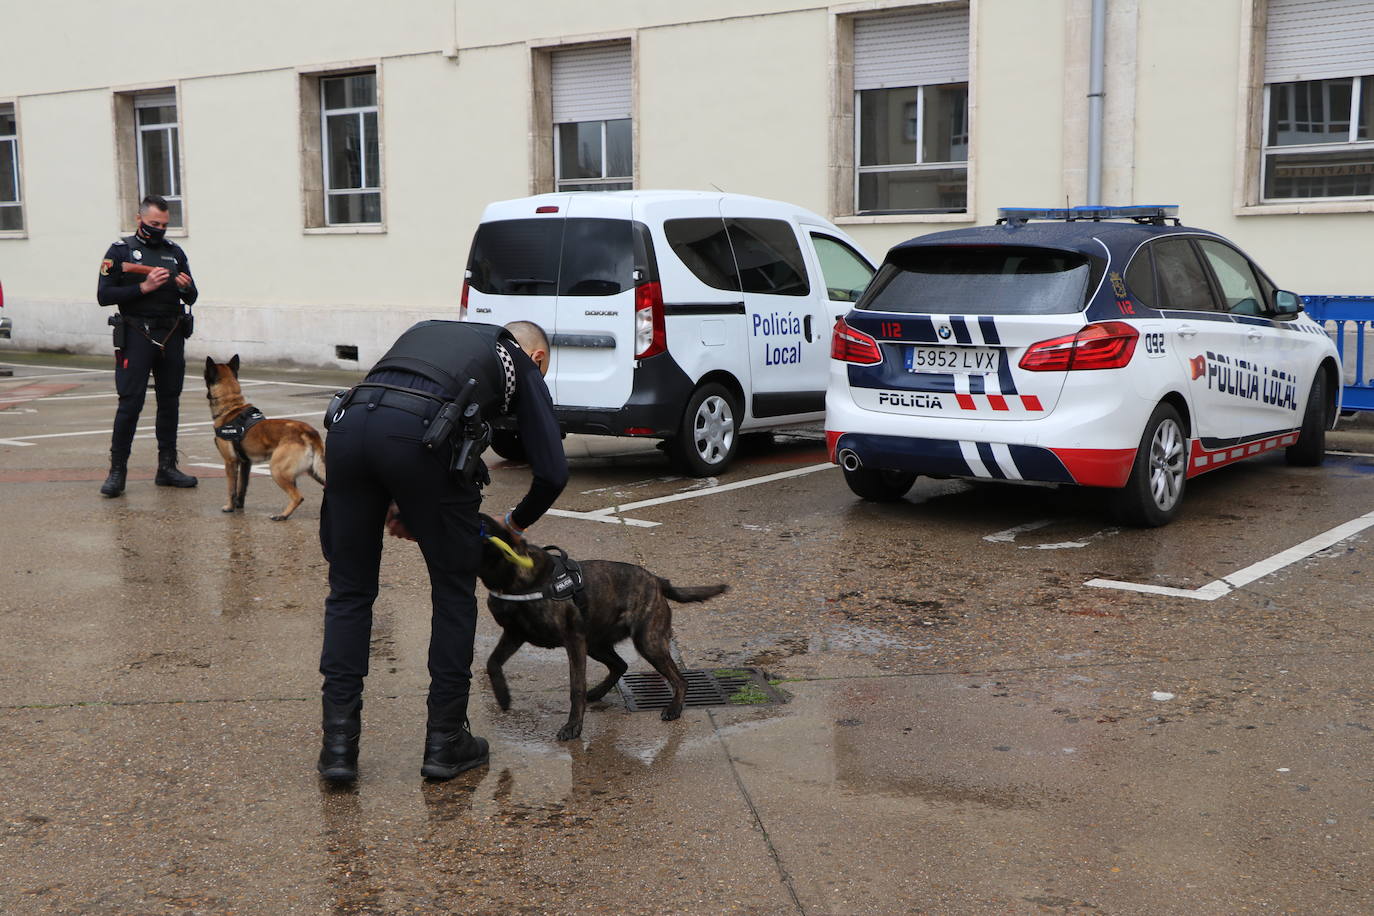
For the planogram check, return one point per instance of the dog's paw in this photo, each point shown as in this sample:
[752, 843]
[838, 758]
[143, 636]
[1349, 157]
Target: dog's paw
[570, 731]
[670, 714]
[595, 695]
[279, 518]
[227, 509]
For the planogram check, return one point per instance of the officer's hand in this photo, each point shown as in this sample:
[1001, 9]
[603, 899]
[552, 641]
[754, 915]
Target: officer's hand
[517, 535]
[184, 281]
[394, 526]
[154, 280]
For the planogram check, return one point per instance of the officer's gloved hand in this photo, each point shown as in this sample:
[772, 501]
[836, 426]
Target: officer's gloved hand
[394, 526]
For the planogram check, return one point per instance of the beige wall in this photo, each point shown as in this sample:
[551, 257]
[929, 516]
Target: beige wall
[739, 97]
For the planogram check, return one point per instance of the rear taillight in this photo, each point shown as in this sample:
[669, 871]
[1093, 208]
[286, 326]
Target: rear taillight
[463, 303]
[1107, 345]
[851, 346]
[650, 336]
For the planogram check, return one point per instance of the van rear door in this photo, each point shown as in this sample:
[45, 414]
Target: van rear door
[594, 323]
[513, 268]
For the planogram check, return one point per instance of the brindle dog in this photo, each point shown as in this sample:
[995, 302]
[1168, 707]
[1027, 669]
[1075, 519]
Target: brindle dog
[623, 601]
[290, 447]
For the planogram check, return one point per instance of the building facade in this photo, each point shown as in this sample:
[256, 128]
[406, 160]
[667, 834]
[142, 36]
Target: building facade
[328, 160]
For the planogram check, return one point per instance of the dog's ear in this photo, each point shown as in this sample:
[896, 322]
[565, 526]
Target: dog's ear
[234, 365]
[211, 373]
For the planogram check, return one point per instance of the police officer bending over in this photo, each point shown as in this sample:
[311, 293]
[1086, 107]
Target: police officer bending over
[388, 443]
[148, 277]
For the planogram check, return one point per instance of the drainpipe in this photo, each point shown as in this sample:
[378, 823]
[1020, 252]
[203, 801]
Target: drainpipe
[1096, 94]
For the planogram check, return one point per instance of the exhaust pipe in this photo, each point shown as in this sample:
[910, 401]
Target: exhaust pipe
[849, 460]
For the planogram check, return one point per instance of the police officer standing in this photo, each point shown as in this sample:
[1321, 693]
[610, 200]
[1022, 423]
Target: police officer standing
[381, 472]
[148, 277]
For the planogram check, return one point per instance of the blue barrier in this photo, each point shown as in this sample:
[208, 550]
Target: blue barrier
[1345, 317]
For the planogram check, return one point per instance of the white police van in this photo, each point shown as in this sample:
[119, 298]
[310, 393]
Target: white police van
[680, 315]
[1099, 346]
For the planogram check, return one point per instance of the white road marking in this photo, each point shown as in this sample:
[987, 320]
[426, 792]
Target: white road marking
[608, 519]
[28, 440]
[1349, 454]
[1227, 584]
[57, 368]
[257, 468]
[20, 380]
[1069, 545]
[1002, 537]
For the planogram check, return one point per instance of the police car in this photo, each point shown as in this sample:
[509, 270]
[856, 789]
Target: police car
[1107, 347]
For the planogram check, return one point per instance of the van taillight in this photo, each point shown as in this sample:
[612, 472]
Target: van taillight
[1105, 345]
[851, 346]
[650, 336]
[463, 303]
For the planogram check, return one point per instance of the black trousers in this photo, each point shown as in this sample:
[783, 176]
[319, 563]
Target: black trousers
[373, 456]
[133, 363]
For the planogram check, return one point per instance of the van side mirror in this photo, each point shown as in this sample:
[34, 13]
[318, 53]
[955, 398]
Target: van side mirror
[1286, 304]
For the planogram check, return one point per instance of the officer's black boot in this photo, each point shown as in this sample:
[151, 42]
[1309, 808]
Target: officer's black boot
[450, 745]
[167, 473]
[114, 483]
[342, 726]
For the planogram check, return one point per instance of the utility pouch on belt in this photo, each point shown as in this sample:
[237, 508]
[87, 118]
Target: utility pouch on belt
[441, 428]
[188, 323]
[116, 321]
[336, 405]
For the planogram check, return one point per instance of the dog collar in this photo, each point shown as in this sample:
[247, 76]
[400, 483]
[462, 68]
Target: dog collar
[526, 596]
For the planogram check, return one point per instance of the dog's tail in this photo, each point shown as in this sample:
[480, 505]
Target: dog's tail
[691, 592]
[316, 468]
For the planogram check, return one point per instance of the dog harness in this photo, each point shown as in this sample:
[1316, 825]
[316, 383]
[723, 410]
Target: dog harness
[234, 431]
[565, 582]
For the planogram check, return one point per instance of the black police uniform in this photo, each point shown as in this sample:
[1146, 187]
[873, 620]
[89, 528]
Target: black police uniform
[374, 457]
[152, 339]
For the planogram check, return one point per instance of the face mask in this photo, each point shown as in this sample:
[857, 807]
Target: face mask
[150, 234]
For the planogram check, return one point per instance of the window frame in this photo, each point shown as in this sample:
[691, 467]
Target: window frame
[361, 111]
[543, 146]
[919, 142]
[141, 102]
[1213, 289]
[812, 235]
[608, 180]
[1352, 143]
[12, 108]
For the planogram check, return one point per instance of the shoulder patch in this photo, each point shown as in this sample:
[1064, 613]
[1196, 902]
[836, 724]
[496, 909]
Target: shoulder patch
[120, 242]
[105, 266]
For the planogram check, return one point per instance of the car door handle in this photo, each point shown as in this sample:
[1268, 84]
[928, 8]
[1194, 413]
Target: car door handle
[1186, 330]
[806, 327]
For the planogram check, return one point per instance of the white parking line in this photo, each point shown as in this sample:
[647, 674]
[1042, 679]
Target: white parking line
[105, 431]
[57, 368]
[259, 469]
[1227, 584]
[610, 515]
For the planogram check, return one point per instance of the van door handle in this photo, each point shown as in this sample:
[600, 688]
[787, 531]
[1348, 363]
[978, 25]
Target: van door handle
[806, 327]
[1186, 330]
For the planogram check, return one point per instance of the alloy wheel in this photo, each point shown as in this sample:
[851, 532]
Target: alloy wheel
[1167, 465]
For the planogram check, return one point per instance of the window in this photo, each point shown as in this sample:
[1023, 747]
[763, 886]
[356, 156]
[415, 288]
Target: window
[768, 257]
[11, 206]
[158, 148]
[1182, 283]
[1240, 290]
[1140, 278]
[911, 111]
[1319, 100]
[352, 160]
[846, 274]
[593, 136]
[702, 245]
[992, 280]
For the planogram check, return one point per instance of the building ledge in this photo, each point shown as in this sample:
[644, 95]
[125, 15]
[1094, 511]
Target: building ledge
[14, 234]
[344, 230]
[1307, 207]
[867, 219]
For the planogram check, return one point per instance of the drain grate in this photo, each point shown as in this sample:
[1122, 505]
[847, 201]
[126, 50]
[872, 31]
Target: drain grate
[715, 687]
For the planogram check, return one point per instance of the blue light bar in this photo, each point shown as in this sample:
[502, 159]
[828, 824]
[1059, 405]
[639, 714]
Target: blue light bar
[1142, 213]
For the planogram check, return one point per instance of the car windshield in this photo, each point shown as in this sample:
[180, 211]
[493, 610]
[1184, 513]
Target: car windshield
[983, 280]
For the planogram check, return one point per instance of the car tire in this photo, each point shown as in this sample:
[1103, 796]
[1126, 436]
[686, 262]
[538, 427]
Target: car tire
[1310, 449]
[879, 486]
[507, 444]
[708, 435]
[1159, 475]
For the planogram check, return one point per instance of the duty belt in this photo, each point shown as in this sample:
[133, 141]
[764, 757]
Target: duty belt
[419, 403]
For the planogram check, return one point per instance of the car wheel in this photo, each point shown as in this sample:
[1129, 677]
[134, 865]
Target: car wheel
[507, 444]
[1154, 490]
[709, 433]
[1310, 449]
[879, 486]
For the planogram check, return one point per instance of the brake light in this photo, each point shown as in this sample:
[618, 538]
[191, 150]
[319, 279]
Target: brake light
[463, 303]
[1106, 345]
[650, 336]
[851, 346]
[546, 209]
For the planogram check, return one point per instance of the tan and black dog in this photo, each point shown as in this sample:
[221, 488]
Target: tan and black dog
[290, 447]
[621, 600]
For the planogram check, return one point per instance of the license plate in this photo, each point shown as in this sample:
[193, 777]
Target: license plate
[963, 360]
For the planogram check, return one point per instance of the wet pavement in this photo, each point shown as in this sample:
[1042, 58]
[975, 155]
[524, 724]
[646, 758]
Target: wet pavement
[970, 728]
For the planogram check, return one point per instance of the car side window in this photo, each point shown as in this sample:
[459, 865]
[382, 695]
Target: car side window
[1239, 286]
[846, 274]
[1140, 278]
[769, 257]
[1182, 283]
[702, 244]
